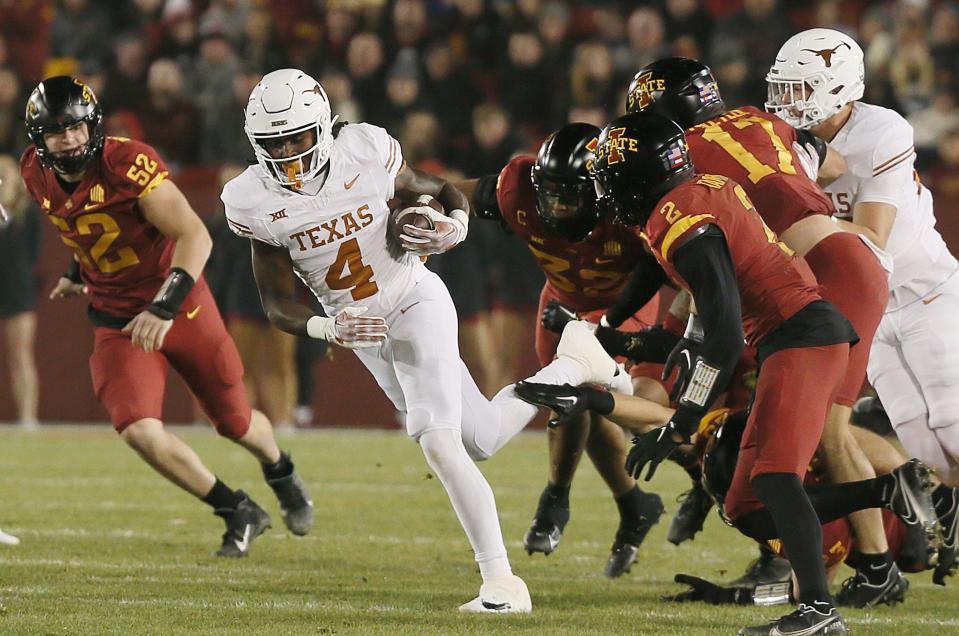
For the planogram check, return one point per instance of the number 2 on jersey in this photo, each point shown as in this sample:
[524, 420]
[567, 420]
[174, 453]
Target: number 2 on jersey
[755, 168]
[349, 271]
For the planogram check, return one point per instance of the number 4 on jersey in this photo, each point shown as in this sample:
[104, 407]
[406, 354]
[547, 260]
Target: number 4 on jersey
[350, 272]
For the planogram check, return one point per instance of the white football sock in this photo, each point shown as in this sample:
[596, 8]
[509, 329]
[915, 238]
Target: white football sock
[471, 496]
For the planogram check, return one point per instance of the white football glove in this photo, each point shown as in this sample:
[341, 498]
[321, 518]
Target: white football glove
[808, 159]
[350, 329]
[449, 231]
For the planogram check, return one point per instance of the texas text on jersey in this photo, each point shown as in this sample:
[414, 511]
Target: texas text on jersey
[337, 237]
[124, 260]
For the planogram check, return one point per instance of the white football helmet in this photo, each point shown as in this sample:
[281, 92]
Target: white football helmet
[816, 73]
[287, 102]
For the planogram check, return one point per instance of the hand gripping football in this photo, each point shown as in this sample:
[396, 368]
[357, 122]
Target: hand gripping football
[413, 214]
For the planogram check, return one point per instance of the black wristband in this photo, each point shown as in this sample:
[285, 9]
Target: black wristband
[73, 272]
[685, 420]
[172, 294]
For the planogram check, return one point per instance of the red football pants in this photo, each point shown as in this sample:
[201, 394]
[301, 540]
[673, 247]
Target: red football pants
[851, 278]
[794, 390]
[130, 382]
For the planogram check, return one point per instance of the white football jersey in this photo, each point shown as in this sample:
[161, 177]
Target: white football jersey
[877, 144]
[337, 236]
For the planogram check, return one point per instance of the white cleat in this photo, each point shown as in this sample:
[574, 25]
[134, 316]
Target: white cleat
[502, 595]
[579, 343]
[8, 539]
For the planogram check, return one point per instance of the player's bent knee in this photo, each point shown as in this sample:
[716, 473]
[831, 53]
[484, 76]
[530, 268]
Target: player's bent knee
[142, 434]
[442, 448]
[233, 425]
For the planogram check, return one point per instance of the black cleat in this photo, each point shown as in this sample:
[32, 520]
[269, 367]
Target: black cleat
[295, 503]
[542, 536]
[691, 516]
[567, 401]
[628, 539]
[769, 567]
[805, 621]
[947, 565]
[552, 515]
[243, 524]
[910, 497]
[857, 591]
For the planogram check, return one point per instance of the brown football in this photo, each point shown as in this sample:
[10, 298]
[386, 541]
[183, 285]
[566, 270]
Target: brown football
[410, 215]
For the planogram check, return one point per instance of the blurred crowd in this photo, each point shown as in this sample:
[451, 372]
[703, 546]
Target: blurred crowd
[463, 84]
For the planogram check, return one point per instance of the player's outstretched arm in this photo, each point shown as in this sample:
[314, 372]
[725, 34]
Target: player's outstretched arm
[273, 270]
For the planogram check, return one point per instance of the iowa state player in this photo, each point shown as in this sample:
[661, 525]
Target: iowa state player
[755, 149]
[709, 239]
[139, 250]
[549, 202]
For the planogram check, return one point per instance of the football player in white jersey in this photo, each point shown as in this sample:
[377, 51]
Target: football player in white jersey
[316, 204]
[815, 84]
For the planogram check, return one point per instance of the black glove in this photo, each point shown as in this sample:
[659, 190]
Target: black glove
[651, 344]
[652, 448]
[681, 358]
[556, 315]
[703, 590]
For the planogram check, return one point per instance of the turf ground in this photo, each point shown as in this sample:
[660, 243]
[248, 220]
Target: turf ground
[110, 548]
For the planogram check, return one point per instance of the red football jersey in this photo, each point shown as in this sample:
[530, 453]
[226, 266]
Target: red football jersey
[754, 148]
[773, 282]
[124, 259]
[587, 275]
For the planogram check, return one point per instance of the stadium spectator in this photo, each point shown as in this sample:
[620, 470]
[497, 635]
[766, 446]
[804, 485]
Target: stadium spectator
[267, 353]
[126, 86]
[78, 30]
[364, 61]
[527, 87]
[220, 143]
[12, 138]
[19, 247]
[171, 124]
[451, 90]
[261, 47]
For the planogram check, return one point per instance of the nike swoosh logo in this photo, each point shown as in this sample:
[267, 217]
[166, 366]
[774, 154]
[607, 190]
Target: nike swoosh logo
[496, 607]
[605, 261]
[190, 315]
[349, 184]
[90, 206]
[403, 311]
[926, 301]
[245, 543]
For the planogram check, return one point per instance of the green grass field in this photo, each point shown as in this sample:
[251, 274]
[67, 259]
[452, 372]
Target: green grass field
[110, 548]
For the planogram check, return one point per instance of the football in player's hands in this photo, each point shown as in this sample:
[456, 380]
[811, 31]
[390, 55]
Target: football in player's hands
[413, 214]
